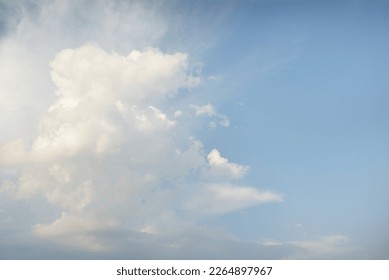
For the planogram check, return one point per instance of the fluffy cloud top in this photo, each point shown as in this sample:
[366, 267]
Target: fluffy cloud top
[101, 159]
[221, 166]
[102, 96]
[106, 153]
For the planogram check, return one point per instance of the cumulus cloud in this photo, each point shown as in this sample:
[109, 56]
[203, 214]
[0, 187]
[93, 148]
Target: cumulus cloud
[222, 167]
[94, 147]
[102, 94]
[105, 155]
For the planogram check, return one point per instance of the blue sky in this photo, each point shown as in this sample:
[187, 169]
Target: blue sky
[207, 129]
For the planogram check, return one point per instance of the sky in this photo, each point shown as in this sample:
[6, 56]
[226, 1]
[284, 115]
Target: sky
[194, 129]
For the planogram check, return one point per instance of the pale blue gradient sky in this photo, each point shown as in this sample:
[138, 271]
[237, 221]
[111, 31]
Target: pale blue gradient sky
[306, 87]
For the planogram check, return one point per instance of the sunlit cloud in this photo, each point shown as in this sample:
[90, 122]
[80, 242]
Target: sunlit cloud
[104, 150]
[121, 139]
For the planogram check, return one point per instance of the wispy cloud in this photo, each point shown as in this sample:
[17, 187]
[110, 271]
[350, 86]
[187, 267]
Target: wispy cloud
[330, 246]
[216, 199]
[210, 111]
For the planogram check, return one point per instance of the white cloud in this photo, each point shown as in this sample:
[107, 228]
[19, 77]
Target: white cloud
[215, 78]
[335, 246]
[222, 167]
[97, 93]
[21, 84]
[225, 121]
[210, 111]
[216, 199]
[107, 154]
[329, 246]
[178, 113]
[36, 31]
[272, 242]
[93, 146]
[12, 152]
